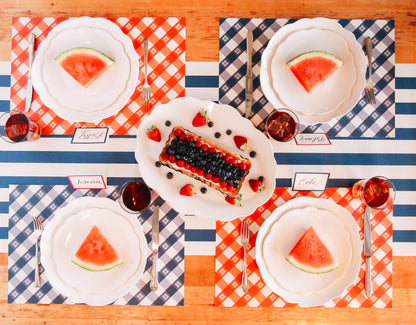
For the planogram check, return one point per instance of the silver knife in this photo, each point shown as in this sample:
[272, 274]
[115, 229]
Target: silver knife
[249, 74]
[29, 87]
[155, 249]
[367, 251]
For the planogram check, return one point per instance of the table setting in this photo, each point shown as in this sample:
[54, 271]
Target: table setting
[283, 177]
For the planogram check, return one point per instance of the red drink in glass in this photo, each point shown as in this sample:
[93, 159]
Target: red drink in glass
[282, 125]
[377, 192]
[135, 196]
[19, 127]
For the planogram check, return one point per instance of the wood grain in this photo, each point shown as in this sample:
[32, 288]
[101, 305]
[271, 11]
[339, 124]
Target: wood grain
[202, 19]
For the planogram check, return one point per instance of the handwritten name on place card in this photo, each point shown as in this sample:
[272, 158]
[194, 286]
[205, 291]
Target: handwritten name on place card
[310, 181]
[90, 135]
[304, 139]
[87, 181]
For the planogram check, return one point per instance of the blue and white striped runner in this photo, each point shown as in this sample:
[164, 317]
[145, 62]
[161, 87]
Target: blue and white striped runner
[346, 159]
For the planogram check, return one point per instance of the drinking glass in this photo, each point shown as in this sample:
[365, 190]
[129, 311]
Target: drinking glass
[282, 125]
[377, 192]
[16, 126]
[135, 196]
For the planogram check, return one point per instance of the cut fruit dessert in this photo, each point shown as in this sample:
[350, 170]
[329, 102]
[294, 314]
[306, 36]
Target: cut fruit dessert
[205, 161]
[314, 67]
[96, 253]
[84, 64]
[311, 255]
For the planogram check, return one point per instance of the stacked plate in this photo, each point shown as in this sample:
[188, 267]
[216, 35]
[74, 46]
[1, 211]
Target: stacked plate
[65, 233]
[332, 98]
[106, 95]
[280, 232]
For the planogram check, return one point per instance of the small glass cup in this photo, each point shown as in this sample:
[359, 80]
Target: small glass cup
[282, 125]
[377, 192]
[16, 126]
[135, 196]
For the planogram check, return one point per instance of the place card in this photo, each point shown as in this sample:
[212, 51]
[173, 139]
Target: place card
[310, 181]
[87, 181]
[305, 139]
[90, 135]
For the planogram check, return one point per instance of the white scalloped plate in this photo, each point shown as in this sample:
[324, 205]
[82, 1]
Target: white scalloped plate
[106, 95]
[212, 204]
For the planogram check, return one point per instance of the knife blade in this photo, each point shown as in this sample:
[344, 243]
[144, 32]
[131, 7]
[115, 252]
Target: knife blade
[29, 87]
[155, 249]
[367, 251]
[249, 74]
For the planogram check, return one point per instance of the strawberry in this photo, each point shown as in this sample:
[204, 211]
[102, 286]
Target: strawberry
[153, 133]
[200, 119]
[256, 185]
[187, 190]
[234, 200]
[241, 142]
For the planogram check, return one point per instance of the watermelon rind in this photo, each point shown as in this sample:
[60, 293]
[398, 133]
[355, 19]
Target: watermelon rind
[312, 54]
[84, 50]
[95, 268]
[309, 269]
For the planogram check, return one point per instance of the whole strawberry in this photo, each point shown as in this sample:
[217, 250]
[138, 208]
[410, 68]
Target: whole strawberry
[234, 200]
[257, 185]
[200, 119]
[241, 142]
[187, 190]
[153, 133]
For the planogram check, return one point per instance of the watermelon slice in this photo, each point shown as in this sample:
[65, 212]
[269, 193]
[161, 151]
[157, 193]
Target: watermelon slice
[96, 253]
[311, 255]
[84, 64]
[312, 68]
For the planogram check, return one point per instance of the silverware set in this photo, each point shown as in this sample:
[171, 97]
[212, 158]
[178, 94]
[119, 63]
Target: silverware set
[37, 230]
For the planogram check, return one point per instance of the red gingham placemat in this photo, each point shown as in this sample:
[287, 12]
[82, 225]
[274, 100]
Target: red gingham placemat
[229, 253]
[166, 70]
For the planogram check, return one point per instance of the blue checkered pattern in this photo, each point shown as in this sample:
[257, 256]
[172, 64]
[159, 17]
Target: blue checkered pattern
[44, 200]
[362, 121]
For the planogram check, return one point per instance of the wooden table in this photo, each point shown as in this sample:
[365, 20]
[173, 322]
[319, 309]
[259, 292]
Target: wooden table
[202, 19]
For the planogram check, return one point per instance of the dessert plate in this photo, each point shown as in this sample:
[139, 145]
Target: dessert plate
[180, 112]
[65, 233]
[336, 95]
[280, 232]
[106, 95]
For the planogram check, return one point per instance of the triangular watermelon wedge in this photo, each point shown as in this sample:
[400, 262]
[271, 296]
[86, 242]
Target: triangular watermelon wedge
[311, 255]
[96, 253]
[314, 67]
[84, 64]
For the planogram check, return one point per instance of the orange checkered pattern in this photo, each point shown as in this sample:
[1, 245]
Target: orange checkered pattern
[166, 64]
[229, 253]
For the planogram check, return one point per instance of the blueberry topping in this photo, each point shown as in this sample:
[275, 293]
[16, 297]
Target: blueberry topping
[158, 163]
[203, 190]
[217, 135]
[253, 154]
[210, 124]
[168, 123]
[261, 179]
[228, 132]
[169, 175]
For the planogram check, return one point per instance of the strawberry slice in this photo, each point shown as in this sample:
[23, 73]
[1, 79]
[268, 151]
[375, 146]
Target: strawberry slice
[200, 119]
[241, 142]
[153, 133]
[187, 190]
[256, 185]
[234, 200]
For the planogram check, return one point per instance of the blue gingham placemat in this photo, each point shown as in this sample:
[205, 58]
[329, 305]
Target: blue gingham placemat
[43, 200]
[362, 121]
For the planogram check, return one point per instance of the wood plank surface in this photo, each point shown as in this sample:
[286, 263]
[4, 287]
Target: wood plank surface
[202, 18]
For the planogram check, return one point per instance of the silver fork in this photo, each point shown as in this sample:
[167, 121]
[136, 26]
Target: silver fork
[146, 89]
[38, 229]
[245, 236]
[369, 86]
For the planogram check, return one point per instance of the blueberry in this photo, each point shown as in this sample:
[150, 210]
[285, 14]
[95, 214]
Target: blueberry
[253, 154]
[210, 124]
[203, 190]
[169, 175]
[261, 179]
[217, 135]
[168, 123]
[158, 163]
[228, 132]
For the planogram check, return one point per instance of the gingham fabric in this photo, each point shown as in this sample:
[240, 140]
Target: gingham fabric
[229, 253]
[166, 70]
[43, 200]
[362, 121]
